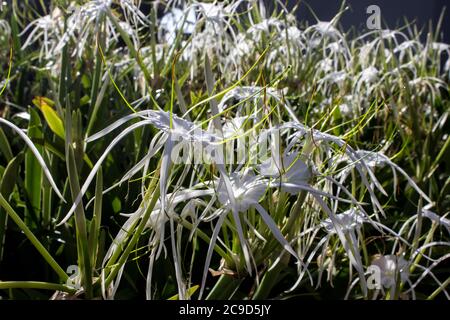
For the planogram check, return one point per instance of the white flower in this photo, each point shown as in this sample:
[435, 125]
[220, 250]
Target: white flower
[84, 21]
[246, 187]
[347, 221]
[440, 47]
[47, 29]
[334, 77]
[181, 129]
[392, 266]
[291, 172]
[211, 10]
[325, 28]
[162, 120]
[345, 107]
[370, 158]
[172, 22]
[326, 65]
[369, 75]
[233, 128]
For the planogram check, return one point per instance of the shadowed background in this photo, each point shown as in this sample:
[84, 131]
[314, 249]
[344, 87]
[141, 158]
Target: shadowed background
[393, 13]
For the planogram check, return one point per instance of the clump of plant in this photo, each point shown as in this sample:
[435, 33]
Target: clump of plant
[220, 151]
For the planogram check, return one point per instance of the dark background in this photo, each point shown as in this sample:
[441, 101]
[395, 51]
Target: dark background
[393, 13]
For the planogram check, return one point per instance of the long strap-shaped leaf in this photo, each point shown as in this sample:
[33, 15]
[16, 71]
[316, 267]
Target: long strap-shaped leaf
[36, 154]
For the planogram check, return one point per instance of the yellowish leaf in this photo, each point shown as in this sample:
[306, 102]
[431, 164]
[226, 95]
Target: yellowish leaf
[189, 293]
[53, 120]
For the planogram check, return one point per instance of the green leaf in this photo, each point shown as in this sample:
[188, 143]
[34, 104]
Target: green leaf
[33, 170]
[7, 184]
[94, 233]
[80, 222]
[189, 292]
[5, 148]
[53, 121]
[116, 205]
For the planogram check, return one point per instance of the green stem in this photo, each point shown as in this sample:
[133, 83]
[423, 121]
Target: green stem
[45, 254]
[153, 188]
[270, 279]
[224, 288]
[207, 239]
[439, 290]
[35, 285]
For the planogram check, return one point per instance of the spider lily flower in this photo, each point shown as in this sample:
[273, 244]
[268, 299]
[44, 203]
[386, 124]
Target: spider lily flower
[322, 141]
[291, 173]
[176, 21]
[158, 217]
[247, 190]
[368, 75]
[177, 131]
[344, 226]
[407, 49]
[287, 40]
[252, 94]
[81, 20]
[181, 129]
[242, 191]
[365, 162]
[234, 136]
[157, 243]
[326, 65]
[389, 271]
[233, 127]
[413, 221]
[164, 121]
[375, 159]
[335, 77]
[346, 221]
[441, 47]
[246, 42]
[385, 34]
[243, 47]
[157, 223]
[47, 29]
[323, 29]
[345, 108]
[84, 22]
[353, 220]
[211, 30]
[217, 13]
